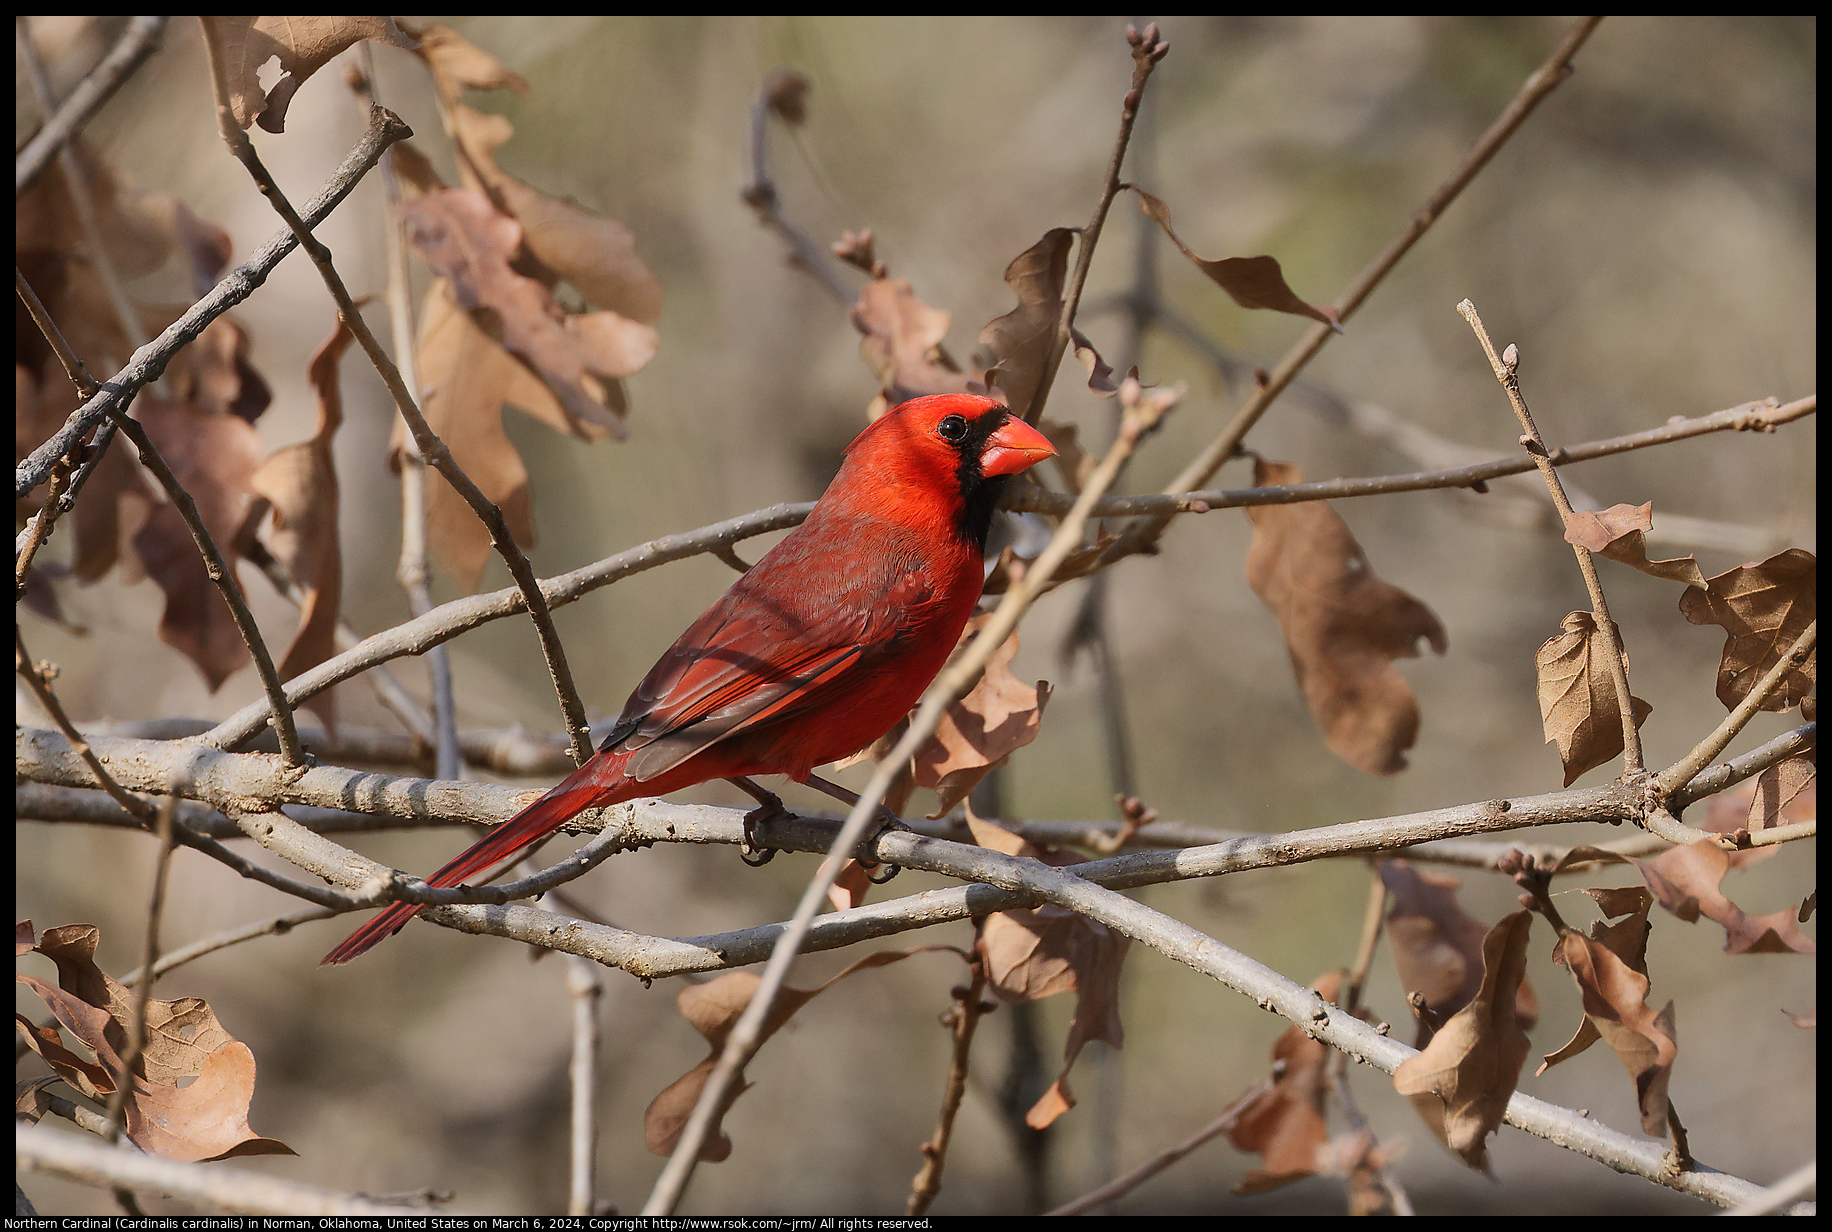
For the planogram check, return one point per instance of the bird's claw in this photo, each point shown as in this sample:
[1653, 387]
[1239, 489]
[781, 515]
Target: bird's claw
[750, 848]
[887, 822]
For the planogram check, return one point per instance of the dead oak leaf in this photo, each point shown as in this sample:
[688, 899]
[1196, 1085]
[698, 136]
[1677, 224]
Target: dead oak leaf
[299, 484]
[303, 44]
[1577, 697]
[1253, 282]
[901, 341]
[1763, 609]
[1343, 626]
[458, 64]
[1022, 339]
[190, 1093]
[1620, 533]
[213, 457]
[1034, 953]
[1685, 880]
[1472, 1065]
[1284, 1122]
[1437, 946]
[998, 716]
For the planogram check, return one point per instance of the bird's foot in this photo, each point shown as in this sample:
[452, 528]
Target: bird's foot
[769, 808]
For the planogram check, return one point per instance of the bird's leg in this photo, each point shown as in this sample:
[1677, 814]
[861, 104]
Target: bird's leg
[769, 808]
[887, 821]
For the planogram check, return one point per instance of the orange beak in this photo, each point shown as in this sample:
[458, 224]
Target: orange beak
[1015, 447]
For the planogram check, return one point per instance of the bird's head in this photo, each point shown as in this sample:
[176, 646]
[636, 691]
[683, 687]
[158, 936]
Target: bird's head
[945, 454]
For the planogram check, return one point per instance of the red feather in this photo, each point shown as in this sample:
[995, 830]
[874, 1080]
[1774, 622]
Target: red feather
[819, 648]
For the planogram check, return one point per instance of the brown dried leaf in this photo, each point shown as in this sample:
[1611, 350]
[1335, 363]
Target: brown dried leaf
[1610, 967]
[1437, 946]
[1577, 699]
[194, 1080]
[466, 241]
[850, 886]
[1685, 881]
[303, 44]
[213, 457]
[901, 341]
[1253, 282]
[979, 731]
[1100, 376]
[1285, 1123]
[1620, 533]
[1471, 1066]
[214, 374]
[1021, 340]
[299, 483]
[1763, 609]
[1032, 954]
[458, 64]
[1073, 463]
[1783, 794]
[1343, 626]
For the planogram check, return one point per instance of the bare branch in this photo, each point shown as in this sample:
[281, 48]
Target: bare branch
[139, 41]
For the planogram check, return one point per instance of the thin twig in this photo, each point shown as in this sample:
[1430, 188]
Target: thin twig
[38, 677]
[222, 575]
[1144, 410]
[149, 958]
[1096, 1198]
[761, 195]
[150, 361]
[586, 989]
[1682, 771]
[1541, 82]
[137, 42]
[431, 447]
[411, 572]
[962, 1020]
[1147, 51]
[277, 927]
[1615, 659]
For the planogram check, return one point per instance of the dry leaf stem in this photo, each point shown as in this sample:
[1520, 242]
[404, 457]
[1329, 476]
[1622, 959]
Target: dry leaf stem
[1148, 50]
[139, 41]
[431, 447]
[1540, 83]
[586, 990]
[963, 1020]
[411, 572]
[761, 195]
[1682, 772]
[1507, 373]
[1143, 411]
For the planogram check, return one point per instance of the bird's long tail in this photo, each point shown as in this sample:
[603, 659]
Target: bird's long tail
[584, 788]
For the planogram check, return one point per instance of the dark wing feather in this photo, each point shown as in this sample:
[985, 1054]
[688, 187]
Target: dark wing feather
[761, 653]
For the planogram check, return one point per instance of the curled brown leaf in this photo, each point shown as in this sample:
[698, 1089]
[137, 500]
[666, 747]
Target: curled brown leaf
[1577, 696]
[1343, 625]
[1620, 533]
[1763, 609]
[1253, 282]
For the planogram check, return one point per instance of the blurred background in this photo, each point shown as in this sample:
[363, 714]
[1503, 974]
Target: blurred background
[1649, 242]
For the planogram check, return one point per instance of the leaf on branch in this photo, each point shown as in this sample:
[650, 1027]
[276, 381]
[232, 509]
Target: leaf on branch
[1577, 698]
[1253, 282]
[1783, 794]
[1620, 533]
[458, 64]
[1073, 462]
[1471, 1066]
[1021, 340]
[303, 44]
[1685, 880]
[1285, 1123]
[713, 1009]
[1610, 967]
[193, 1082]
[213, 457]
[902, 342]
[982, 729]
[299, 483]
[1035, 953]
[1343, 626]
[1763, 609]
[1437, 946]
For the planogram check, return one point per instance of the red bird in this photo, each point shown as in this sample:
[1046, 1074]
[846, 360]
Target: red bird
[819, 648]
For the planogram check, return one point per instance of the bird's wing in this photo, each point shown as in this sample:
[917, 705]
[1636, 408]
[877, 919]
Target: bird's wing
[759, 655]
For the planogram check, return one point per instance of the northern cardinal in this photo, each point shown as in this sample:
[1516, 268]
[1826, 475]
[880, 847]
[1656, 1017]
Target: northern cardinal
[819, 648]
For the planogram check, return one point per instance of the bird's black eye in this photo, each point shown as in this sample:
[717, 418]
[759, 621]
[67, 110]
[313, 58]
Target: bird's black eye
[953, 429]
